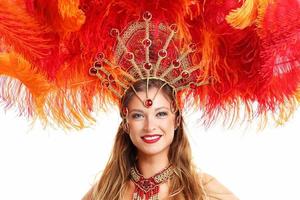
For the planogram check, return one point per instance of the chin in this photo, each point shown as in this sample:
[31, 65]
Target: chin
[155, 150]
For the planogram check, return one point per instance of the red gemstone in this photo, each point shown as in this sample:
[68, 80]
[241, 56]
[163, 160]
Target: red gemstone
[148, 66]
[129, 55]
[174, 27]
[114, 32]
[176, 63]
[148, 103]
[97, 65]
[147, 42]
[185, 74]
[192, 85]
[162, 53]
[125, 111]
[105, 83]
[110, 77]
[93, 71]
[100, 56]
[147, 15]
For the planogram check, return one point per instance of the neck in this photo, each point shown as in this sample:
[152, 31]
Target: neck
[150, 165]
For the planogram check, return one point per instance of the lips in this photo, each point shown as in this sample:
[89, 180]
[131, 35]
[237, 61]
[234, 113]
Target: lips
[151, 138]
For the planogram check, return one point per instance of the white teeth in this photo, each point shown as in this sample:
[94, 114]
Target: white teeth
[151, 137]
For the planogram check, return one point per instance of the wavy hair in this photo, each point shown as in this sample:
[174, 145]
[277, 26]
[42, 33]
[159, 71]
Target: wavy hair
[186, 183]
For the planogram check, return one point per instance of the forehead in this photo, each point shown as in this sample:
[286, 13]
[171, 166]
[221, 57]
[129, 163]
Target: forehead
[160, 100]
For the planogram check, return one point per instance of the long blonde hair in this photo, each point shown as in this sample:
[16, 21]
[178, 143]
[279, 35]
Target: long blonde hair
[186, 183]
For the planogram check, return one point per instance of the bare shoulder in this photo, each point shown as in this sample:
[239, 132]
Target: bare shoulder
[214, 190]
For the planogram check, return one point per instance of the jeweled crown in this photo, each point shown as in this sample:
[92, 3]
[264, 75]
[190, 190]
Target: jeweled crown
[147, 50]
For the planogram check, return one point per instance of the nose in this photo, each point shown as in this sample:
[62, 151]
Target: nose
[150, 124]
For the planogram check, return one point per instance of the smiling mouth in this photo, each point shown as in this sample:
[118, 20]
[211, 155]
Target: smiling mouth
[151, 138]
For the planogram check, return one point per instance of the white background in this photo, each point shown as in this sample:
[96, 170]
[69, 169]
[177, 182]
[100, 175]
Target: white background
[37, 164]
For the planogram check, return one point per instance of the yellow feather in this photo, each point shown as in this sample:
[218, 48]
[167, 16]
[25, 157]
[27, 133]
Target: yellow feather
[244, 16]
[252, 11]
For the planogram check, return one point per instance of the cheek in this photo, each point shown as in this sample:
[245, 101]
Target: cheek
[168, 125]
[135, 128]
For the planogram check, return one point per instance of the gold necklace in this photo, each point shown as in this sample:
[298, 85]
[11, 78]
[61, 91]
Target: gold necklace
[149, 187]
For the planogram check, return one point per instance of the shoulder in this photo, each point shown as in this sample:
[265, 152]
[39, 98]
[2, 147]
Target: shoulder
[214, 190]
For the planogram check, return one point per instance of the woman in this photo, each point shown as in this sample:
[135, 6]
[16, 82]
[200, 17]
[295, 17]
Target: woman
[223, 54]
[150, 140]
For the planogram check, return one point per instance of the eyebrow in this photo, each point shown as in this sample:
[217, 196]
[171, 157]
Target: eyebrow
[156, 109]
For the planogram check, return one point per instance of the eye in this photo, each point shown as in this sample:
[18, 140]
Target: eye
[161, 114]
[136, 115]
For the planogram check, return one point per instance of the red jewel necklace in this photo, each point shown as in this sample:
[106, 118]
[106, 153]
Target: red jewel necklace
[148, 188]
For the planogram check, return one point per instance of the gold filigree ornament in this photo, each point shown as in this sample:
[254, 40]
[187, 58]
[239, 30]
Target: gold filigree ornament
[144, 51]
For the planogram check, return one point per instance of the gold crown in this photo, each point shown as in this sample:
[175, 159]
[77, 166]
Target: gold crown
[147, 50]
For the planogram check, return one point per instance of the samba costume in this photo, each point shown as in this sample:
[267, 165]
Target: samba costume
[62, 60]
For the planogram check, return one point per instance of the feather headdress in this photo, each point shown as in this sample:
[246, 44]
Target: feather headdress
[248, 50]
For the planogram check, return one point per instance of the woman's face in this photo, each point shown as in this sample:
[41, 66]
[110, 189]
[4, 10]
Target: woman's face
[151, 130]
